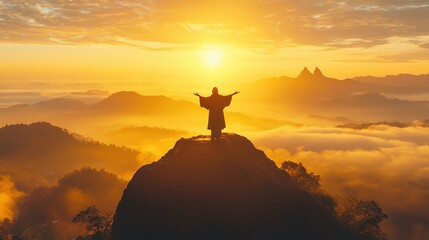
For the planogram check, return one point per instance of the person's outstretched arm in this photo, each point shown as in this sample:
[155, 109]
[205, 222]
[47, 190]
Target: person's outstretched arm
[197, 94]
[234, 93]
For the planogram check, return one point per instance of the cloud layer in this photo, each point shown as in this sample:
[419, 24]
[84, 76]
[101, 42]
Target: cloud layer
[166, 24]
[386, 164]
[46, 212]
[8, 197]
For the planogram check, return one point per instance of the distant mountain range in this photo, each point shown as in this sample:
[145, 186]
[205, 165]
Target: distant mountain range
[126, 104]
[402, 83]
[134, 103]
[389, 98]
[360, 98]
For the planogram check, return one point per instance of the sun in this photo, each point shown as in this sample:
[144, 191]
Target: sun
[212, 57]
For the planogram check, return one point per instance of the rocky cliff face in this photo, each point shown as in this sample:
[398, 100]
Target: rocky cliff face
[224, 189]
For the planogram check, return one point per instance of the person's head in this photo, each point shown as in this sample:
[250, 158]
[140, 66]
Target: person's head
[214, 91]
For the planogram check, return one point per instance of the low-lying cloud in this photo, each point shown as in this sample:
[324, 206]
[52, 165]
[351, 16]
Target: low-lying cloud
[386, 164]
[8, 197]
[46, 212]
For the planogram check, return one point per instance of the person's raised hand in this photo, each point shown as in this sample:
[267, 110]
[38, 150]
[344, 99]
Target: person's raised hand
[196, 94]
[236, 92]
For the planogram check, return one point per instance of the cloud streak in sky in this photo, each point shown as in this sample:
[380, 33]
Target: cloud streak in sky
[169, 24]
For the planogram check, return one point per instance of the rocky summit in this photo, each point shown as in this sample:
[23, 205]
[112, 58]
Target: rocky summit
[225, 189]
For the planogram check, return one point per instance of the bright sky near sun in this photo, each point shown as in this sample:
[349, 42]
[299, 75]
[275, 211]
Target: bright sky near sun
[193, 40]
[212, 57]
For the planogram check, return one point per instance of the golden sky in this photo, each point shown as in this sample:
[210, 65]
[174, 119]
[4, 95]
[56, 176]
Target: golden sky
[194, 40]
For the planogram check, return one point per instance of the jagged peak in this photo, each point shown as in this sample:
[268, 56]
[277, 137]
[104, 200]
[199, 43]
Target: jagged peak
[317, 73]
[305, 73]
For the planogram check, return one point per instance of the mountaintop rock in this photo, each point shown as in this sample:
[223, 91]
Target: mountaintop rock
[224, 189]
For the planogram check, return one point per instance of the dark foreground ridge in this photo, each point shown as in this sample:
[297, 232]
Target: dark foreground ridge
[224, 189]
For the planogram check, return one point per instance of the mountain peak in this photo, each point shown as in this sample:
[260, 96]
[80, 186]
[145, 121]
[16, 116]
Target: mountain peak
[305, 74]
[224, 189]
[317, 73]
[125, 94]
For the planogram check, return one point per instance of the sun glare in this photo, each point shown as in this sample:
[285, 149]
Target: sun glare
[212, 57]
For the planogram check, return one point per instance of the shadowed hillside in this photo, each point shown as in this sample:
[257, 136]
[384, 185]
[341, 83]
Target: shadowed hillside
[225, 189]
[39, 154]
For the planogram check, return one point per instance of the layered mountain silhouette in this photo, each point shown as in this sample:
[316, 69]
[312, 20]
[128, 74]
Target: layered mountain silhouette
[38, 154]
[306, 89]
[61, 104]
[360, 98]
[400, 98]
[122, 104]
[125, 102]
[224, 189]
[128, 102]
[399, 84]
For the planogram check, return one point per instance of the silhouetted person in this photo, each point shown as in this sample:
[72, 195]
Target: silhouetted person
[215, 104]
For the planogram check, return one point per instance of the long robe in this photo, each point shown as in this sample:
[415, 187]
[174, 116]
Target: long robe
[215, 104]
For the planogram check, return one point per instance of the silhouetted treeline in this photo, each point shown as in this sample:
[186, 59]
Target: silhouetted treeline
[40, 153]
[361, 217]
[97, 226]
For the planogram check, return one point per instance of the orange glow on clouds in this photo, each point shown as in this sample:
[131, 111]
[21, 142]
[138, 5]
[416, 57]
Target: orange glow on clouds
[8, 196]
[162, 40]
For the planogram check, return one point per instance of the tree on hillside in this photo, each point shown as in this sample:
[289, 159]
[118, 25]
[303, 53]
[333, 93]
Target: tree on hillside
[5, 229]
[97, 226]
[361, 218]
[309, 182]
